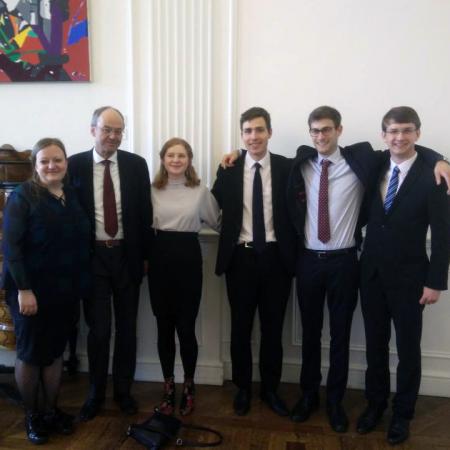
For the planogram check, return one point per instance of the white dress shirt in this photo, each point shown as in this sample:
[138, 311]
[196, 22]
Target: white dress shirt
[247, 217]
[403, 171]
[99, 171]
[345, 194]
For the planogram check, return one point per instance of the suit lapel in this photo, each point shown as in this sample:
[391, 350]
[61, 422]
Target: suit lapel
[238, 186]
[408, 182]
[275, 175]
[124, 183]
[88, 174]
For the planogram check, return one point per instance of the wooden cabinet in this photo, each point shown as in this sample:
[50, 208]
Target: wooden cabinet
[15, 167]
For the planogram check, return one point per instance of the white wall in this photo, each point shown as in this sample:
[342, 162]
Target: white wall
[361, 57]
[288, 56]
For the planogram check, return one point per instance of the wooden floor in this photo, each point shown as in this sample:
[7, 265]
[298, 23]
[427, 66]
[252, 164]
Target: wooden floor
[259, 430]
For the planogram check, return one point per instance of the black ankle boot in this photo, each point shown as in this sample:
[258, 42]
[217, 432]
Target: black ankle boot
[36, 431]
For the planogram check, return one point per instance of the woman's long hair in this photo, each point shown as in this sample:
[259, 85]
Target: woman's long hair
[35, 183]
[162, 177]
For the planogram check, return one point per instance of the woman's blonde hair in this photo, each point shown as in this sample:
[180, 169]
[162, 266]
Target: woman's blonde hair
[162, 177]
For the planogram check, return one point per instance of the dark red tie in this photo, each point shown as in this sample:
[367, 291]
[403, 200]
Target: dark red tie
[323, 232]
[109, 201]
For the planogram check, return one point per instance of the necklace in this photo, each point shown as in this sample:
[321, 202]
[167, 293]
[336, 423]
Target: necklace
[61, 198]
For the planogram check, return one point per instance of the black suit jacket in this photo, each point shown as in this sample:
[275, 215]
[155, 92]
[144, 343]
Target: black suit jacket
[395, 243]
[364, 162]
[135, 198]
[229, 192]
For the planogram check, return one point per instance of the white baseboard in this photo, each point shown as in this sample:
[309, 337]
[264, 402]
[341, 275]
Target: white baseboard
[434, 383]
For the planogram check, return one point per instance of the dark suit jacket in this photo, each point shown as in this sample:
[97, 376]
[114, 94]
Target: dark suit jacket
[364, 162]
[395, 243]
[229, 192]
[135, 197]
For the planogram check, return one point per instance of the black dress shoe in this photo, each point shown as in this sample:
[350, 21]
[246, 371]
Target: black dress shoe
[398, 430]
[36, 431]
[305, 407]
[274, 403]
[90, 409]
[337, 418]
[59, 421]
[242, 401]
[127, 404]
[369, 419]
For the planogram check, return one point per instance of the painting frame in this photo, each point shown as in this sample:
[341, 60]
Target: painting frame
[44, 40]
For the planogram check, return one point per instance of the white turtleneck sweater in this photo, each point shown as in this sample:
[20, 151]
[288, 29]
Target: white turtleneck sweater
[177, 207]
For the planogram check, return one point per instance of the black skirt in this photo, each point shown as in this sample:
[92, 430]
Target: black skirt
[175, 274]
[42, 338]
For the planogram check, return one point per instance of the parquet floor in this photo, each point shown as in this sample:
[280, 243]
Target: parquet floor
[260, 430]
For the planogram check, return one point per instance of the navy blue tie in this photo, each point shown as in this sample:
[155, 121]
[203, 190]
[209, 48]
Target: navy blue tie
[392, 189]
[259, 231]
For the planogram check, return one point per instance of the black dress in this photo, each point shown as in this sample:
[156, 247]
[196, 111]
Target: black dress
[46, 249]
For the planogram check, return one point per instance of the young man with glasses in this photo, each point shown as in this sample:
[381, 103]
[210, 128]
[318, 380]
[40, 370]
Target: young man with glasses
[329, 191]
[326, 191]
[397, 277]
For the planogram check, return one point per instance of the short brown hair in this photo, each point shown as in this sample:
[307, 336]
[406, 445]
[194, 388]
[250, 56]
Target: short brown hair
[254, 113]
[325, 112]
[401, 114]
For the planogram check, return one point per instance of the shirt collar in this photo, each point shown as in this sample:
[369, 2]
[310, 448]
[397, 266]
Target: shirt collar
[404, 166]
[334, 158]
[98, 159]
[264, 162]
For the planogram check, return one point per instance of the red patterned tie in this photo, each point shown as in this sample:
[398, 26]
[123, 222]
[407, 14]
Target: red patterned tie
[323, 232]
[109, 201]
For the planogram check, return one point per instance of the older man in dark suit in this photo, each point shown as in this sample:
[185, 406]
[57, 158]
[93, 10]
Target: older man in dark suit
[257, 254]
[113, 187]
[397, 277]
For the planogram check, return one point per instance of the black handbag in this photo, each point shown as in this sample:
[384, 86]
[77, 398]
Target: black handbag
[159, 429]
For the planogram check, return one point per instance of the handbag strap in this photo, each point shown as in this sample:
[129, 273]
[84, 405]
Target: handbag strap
[147, 427]
[186, 443]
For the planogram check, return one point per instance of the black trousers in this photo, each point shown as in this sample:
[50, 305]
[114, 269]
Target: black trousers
[175, 285]
[380, 305]
[335, 277]
[113, 288]
[257, 281]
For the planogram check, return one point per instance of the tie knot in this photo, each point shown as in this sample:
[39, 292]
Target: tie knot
[396, 170]
[106, 162]
[257, 166]
[325, 163]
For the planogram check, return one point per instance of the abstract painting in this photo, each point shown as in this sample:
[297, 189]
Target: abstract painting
[44, 40]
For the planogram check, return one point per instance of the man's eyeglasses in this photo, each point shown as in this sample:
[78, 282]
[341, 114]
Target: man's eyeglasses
[396, 132]
[108, 130]
[314, 132]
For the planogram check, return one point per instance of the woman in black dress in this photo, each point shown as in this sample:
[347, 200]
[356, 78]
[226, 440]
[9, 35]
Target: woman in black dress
[46, 266]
